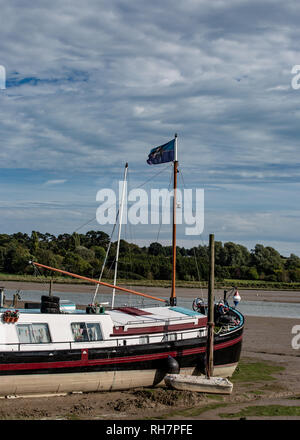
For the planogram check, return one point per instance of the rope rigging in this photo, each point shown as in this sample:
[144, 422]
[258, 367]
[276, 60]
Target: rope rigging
[118, 201]
[195, 257]
[129, 265]
[111, 236]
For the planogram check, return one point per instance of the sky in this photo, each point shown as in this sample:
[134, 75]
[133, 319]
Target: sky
[90, 86]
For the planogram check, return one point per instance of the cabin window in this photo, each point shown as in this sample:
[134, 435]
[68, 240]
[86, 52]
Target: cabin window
[86, 332]
[144, 339]
[33, 333]
[201, 333]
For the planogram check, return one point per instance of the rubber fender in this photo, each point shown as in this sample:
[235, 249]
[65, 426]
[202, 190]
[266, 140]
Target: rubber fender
[172, 366]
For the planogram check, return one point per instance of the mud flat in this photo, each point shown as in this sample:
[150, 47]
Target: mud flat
[287, 296]
[267, 386]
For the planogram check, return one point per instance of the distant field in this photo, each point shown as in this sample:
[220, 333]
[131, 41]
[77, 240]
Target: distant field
[243, 284]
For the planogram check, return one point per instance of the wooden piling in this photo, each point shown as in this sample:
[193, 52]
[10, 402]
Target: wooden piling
[210, 314]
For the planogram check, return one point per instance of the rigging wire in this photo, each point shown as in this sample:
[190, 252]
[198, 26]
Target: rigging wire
[106, 256]
[129, 295]
[113, 230]
[140, 186]
[125, 263]
[196, 262]
[37, 273]
[129, 230]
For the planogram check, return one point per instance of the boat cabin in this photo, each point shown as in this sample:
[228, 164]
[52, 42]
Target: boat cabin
[78, 329]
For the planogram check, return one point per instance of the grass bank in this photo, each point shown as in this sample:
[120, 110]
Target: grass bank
[251, 380]
[264, 411]
[255, 371]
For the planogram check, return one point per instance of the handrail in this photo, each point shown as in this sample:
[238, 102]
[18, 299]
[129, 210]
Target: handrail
[120, 338]
[166, 320]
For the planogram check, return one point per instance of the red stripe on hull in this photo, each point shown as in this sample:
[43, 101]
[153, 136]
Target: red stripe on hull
[85, 362]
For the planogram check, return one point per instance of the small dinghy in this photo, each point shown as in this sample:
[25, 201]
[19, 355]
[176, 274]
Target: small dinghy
[200, 384]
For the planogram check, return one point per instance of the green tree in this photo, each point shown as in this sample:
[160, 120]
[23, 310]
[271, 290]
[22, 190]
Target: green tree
[295, 275]
[266, 259]
[293, 262]
[96, 238]
[76, 238]
[76, 264]
[34, 242]
[85, 253]
[235, 255]
[47, 257]
[155, 249]
[99, 252]
[252, 273]
[17, 260]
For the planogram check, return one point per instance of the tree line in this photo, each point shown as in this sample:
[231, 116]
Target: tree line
[84, 254]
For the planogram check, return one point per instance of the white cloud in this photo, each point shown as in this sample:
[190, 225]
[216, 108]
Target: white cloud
[55, 182]
[91, 87]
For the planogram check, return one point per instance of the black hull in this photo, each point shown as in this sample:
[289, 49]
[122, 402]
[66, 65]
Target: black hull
[189, 353]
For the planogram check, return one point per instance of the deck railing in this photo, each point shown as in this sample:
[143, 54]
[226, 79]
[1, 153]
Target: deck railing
[113, 342]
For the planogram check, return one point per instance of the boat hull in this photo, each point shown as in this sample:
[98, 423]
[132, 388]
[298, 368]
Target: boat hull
[101, 370]
[37, 384]
[184, 382]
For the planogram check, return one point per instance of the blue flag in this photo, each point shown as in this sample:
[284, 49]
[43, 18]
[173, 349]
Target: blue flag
[163, 153]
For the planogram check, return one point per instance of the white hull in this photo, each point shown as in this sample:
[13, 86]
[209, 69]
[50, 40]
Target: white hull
[19, 385]
[216, 385]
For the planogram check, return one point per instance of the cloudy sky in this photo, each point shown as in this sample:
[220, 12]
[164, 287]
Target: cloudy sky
[92, 85]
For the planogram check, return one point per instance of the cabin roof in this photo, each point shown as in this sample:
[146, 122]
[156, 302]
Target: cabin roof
[133, 316]
[154, 314]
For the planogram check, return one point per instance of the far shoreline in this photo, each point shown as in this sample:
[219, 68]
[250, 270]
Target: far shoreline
[286, 296]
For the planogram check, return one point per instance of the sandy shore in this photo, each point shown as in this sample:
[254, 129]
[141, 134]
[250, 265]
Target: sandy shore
[287, 296]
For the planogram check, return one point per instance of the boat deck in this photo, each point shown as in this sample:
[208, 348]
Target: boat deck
[156, 315]
[129, 317]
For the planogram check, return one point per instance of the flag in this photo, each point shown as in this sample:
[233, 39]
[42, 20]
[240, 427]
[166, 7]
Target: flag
[163, 153]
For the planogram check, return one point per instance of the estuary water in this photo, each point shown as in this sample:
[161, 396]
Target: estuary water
[247, 308]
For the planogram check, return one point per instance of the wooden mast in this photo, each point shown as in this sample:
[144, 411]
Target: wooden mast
[173, 299]
[119, 233]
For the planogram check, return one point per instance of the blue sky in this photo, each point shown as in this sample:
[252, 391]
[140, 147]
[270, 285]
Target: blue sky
[91, 87]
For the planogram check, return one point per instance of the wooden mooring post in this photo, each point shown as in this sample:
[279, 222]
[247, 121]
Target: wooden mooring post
[210, 314]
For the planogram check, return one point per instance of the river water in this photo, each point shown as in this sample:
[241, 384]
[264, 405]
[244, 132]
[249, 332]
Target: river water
[247, 308]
